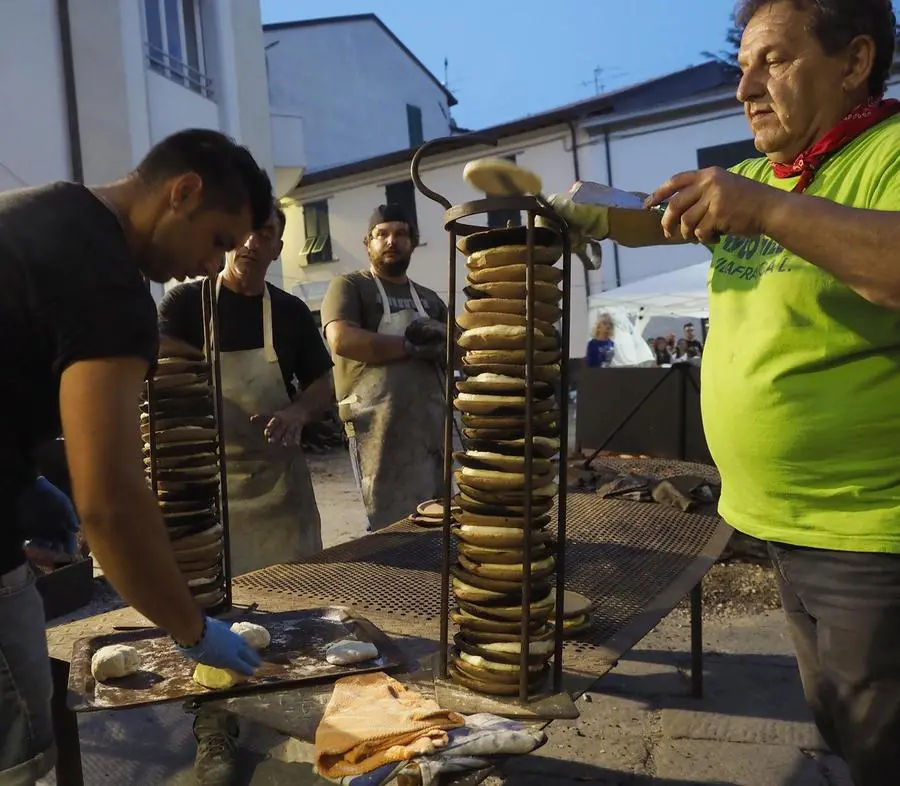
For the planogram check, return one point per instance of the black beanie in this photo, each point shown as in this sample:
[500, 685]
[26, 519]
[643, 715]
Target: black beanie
[392, 212]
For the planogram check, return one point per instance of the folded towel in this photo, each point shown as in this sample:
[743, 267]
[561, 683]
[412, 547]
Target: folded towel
[372, 720]
[474, 746]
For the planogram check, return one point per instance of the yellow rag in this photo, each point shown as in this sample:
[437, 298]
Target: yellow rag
[371, 720]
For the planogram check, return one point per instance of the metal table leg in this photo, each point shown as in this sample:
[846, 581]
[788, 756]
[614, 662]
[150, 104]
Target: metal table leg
[65, 729]
[697, 641]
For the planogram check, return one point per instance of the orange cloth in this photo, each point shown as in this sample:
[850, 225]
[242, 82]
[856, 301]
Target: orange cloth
[372, 720]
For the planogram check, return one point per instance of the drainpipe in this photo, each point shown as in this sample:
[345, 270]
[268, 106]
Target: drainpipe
[576, 170]
[609, 178]
[68, 66]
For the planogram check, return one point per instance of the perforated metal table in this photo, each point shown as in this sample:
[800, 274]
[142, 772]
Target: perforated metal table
[635, 561]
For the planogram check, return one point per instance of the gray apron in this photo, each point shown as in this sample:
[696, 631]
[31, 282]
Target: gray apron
[272, 511]
[395, 420]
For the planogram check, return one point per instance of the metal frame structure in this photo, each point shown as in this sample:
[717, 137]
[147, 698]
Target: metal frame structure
[211, 344]
[532, 206]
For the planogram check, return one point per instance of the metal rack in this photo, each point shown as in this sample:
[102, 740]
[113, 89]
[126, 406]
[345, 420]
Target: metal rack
[211, 351]
[533, 207]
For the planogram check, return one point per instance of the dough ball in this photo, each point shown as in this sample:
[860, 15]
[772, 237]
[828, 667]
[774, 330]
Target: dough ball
[343, 653]
[216, 679]
[114, 661]
[255, 635]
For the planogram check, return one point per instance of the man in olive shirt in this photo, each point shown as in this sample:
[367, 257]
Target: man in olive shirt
[388, 337]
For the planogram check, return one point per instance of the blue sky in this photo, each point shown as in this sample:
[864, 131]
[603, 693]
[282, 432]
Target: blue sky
[510, 58]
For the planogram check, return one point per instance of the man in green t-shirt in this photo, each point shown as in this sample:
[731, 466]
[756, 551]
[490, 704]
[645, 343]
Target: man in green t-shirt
[801, 369]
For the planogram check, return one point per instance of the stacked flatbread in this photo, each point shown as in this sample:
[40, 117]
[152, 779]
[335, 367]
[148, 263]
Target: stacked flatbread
[490, 523]
[187, 472]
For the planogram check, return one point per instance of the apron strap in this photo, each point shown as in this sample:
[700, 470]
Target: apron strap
[385, 306]
[417, 300]
[268, 336]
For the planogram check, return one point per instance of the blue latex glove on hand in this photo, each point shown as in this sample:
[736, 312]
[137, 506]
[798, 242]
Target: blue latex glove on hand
[222, 648]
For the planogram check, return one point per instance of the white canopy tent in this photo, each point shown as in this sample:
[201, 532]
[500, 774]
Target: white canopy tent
[679, 293]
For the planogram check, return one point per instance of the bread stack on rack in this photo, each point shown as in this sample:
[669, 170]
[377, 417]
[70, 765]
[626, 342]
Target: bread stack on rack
[181, 457]
[490, 521]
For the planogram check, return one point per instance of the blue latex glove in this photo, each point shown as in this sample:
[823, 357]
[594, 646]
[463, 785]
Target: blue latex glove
[223, 649]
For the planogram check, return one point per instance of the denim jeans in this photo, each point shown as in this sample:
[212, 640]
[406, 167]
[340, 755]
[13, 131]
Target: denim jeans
[843, 610]
[27, 750]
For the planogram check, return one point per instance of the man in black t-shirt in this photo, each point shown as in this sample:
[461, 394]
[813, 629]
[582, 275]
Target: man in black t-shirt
[276, 378]
[693, 346]
[81, 336]
[270, 392]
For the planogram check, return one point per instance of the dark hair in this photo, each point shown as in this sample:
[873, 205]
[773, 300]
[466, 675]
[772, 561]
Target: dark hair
[688, 325]
[835, 23]
[281, 220]
[231, 177]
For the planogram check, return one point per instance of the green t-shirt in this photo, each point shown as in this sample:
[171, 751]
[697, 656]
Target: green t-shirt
[801, 376]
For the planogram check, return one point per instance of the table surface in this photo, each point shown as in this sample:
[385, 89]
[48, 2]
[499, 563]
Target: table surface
[634, 561]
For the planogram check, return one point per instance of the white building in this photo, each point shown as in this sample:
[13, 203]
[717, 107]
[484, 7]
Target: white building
[88, 86]
[634, 139]
[344, 89]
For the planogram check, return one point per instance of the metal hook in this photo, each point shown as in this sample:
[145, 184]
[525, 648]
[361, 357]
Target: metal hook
[448, 142]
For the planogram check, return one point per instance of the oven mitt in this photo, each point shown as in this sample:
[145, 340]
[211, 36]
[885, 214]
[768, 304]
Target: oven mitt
[426, 331]
[586, 222]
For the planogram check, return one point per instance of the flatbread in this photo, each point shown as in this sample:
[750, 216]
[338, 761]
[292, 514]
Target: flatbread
[499, 537]
[544, 292]
[169, 381]
[501, 256]
[491, 480]
[501, 357]
[486, 404]
[186, 434]
[541, 447]
[515, 273]
[484, 460]
[167, 366]
[472, 505]
[505, 305]
[502, 337]
[548, 372]
[507, 236]
[499, 177]
[468, 320]
[502, 556]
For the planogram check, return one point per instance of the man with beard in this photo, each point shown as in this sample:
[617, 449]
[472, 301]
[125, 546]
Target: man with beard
[388, 336]
[276, 379]
[801, 413]
[83, 336]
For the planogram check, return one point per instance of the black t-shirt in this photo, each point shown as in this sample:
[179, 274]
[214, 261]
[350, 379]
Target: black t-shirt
[354, 297]
[302, 354]
[70, 290]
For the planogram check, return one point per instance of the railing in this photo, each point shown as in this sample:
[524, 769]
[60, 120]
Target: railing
[178, 71]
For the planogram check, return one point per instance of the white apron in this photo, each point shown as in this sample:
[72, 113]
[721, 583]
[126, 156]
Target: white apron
[395, 417]
[272, 511]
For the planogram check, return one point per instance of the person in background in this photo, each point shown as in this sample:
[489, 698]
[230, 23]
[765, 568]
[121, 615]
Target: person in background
[693, 346]
[804, 431]
[661, 350]
[72, 292]
[601, 348]
[388, 336]
[670, 344]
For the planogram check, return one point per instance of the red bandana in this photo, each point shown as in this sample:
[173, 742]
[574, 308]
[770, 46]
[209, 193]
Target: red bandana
[857, 122]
